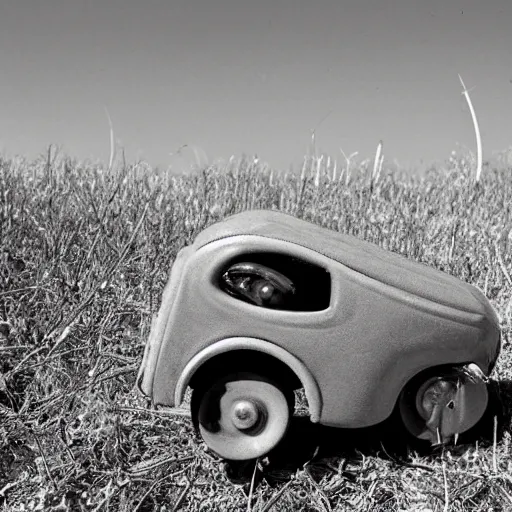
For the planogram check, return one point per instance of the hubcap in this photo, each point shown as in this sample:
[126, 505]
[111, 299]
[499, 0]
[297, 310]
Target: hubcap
[436, 396]
[445, 406]
[245, 414]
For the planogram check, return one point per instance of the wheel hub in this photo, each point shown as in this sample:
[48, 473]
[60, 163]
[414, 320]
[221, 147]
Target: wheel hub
[437, 395]
[245, 414]
[444, 406]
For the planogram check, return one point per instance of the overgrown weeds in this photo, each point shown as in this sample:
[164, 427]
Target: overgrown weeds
[85, 254]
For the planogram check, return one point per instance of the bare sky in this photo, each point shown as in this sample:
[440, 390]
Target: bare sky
[234, 76]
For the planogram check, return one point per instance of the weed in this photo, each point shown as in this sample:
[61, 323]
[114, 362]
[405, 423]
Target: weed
[85, 252]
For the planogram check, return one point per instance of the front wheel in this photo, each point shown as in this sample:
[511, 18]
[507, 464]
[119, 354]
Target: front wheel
[443, 403]
[242, 416]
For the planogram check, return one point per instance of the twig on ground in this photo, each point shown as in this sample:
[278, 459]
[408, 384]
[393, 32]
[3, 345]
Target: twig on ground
[276, 497]
[251, 489]
[177, 505]
[175, 411]
[323, 498]
[145, 466]
[154, 485]
[445, 482]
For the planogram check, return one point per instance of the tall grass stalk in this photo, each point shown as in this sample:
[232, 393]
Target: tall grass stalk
[479, 156]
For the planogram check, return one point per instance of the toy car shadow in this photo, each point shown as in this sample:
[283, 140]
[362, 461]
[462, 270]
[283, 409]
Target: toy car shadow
[308, 443]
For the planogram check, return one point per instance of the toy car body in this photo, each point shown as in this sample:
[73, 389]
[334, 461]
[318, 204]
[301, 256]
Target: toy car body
[263, 303]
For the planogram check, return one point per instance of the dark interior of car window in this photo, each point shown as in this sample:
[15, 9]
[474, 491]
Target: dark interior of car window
[277, 281]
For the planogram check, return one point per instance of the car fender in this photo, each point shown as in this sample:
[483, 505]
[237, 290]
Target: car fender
[245, 343]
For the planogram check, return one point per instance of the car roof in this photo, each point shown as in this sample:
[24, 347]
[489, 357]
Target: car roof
[363, 257]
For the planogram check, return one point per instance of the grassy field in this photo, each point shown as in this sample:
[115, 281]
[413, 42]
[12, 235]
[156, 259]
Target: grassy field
[85, 253]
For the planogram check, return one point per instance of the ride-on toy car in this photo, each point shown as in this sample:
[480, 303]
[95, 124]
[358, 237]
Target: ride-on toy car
[263, 303]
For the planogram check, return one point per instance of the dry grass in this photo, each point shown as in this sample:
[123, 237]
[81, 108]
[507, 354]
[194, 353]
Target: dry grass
[85, 255]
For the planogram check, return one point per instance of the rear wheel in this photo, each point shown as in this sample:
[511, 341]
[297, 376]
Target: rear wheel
[242, 416]
[441, 404]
